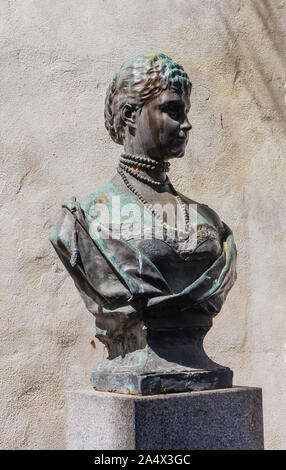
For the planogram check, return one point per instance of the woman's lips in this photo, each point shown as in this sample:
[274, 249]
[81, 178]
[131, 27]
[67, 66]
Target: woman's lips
[182, 136]
[181, 139]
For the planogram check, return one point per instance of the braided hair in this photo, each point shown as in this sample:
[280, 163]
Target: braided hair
[138, 81]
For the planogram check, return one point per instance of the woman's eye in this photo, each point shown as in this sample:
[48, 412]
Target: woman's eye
[172, 109]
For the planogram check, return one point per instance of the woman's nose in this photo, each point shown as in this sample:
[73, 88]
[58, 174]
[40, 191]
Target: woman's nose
[186, 126]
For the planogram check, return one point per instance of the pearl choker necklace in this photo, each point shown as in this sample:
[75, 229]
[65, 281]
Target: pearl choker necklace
[144, 162]
[132, 163]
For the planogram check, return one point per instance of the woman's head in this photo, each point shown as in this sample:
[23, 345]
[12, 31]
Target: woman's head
[147, 78]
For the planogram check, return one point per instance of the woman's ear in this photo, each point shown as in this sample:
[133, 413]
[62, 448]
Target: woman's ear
[128, 115]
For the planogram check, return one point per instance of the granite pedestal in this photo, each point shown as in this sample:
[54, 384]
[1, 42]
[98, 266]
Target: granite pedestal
[213, 419]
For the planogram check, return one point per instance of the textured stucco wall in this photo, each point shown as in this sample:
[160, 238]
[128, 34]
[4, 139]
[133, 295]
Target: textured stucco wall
[56, 60]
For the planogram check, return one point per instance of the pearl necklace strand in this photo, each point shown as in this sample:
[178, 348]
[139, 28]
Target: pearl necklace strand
[149, 206]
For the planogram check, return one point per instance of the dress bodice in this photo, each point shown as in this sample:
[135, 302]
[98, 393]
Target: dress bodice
[179, 270]
[179, 262]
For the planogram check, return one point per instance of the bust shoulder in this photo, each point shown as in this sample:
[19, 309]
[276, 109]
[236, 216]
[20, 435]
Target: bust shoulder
[102, 195]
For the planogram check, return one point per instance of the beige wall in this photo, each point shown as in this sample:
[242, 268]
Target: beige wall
[56, 60]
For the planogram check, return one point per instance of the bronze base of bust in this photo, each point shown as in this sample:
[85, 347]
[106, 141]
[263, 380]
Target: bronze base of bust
[156, 383]
[160, 356]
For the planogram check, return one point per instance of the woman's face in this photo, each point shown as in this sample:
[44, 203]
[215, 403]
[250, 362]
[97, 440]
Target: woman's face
[162, 126]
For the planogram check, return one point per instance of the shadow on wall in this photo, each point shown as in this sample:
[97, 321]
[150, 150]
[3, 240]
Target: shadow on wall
[246, 57]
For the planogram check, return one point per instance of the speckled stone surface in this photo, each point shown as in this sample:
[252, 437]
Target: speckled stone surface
[214, 419]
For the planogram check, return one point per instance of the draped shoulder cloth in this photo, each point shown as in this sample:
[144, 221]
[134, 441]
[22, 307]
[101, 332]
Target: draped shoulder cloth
[112, 275]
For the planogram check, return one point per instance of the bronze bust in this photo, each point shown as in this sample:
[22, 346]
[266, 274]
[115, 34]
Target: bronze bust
[152, 284]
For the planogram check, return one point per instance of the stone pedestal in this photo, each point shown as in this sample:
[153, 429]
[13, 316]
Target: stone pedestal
[214, 419]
